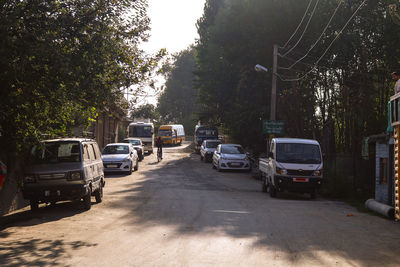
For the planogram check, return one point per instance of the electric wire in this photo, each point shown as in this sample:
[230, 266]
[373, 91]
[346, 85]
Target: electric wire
[319, 38]
[305, 29]
[298, 26]
[316, 63]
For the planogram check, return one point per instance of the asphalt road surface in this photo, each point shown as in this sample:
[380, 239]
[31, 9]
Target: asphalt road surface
[181, 212]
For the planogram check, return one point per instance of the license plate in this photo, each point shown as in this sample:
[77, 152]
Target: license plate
[304, 180]
[235, 164]
[112, 166]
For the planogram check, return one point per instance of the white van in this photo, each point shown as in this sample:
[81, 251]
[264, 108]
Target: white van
[293, 165]
[64, 169]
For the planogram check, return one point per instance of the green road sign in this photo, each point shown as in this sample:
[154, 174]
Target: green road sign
[273, 127]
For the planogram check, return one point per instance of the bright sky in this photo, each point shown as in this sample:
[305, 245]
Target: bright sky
[173, 26]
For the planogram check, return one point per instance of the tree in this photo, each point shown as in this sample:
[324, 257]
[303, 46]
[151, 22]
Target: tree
[147, 111]
[177, 103]
[64, 61]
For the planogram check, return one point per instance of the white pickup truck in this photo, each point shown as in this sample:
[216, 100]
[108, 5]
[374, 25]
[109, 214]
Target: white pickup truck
[293, 165]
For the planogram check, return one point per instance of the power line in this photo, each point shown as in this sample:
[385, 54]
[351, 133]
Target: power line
[298, 26]
[305, 29]
[319, 38]
[316, 63]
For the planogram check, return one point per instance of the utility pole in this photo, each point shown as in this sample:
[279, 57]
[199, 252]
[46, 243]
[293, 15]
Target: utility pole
[273, 91]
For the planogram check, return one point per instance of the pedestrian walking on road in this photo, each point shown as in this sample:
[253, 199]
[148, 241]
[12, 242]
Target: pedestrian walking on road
[159, 144]
[396, 77]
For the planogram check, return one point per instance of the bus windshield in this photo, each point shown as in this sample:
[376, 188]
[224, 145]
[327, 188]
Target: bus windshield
[164, 133]
[140, 131]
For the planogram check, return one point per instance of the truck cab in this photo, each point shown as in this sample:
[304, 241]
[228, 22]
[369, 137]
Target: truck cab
[293, 165]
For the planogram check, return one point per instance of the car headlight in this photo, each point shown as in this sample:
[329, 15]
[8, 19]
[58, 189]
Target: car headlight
[281, 171]
[318, 173]
[77, 175]
[127, 160]
[29, 179]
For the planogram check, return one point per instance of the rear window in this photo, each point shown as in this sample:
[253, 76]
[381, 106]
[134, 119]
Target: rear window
[212, 144]
[232, 150]
[116, 149]
[133, 142]
[54, 152]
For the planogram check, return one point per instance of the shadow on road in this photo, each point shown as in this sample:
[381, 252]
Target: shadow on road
[37, 252]
[45, 214]
[189, 196]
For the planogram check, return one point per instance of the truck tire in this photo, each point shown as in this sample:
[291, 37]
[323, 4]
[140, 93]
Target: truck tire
[313, 194]
[264, 185]
[272, 190]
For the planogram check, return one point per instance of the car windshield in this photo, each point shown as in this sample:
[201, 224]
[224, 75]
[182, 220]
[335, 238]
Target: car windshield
[133, 142]
[54, 152]
[164, 133]
[212, 144]
[298, 153]
[115, 149]
[232, 150]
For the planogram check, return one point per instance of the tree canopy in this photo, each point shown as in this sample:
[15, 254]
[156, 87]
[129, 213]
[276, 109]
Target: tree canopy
[177, 103]
[64, 61]
[342, 94]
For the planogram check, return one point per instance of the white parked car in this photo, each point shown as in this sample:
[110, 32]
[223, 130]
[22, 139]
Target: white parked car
[208, 148]
[137, 145]
[230, 157]
[119, 157]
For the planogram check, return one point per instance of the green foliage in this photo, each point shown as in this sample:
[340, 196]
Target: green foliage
[176, 103]
[348, 89]
[147, 111]
[62, 62]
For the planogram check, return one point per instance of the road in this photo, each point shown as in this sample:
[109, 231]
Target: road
[181, 212]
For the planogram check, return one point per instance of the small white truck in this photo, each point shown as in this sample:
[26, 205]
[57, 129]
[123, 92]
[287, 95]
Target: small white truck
[293, 165]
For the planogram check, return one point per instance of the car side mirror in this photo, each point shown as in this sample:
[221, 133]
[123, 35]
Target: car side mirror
[271, 155]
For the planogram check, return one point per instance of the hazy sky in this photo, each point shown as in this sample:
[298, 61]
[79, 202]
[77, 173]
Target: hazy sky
[173, 24]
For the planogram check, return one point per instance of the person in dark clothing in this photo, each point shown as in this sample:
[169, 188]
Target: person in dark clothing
[159, 145]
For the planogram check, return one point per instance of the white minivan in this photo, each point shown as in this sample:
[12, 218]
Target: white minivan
[64, 169]
[293, 165]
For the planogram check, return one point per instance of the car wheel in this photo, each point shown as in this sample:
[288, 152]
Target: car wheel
[99, 194]
[130, 169]
[34, 205]
[137, 165]
[87, 201]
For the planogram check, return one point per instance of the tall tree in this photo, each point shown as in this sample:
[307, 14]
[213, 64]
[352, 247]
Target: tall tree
[62, 60]
[177, 102]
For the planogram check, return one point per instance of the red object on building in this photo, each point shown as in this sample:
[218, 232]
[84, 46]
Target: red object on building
[3, 173]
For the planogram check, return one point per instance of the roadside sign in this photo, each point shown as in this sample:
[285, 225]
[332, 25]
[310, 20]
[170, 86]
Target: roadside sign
[273, 127]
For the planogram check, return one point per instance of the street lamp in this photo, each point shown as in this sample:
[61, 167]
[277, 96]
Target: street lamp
[260, 68]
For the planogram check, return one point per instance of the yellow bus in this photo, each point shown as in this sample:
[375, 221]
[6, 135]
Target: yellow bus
[172, 134]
